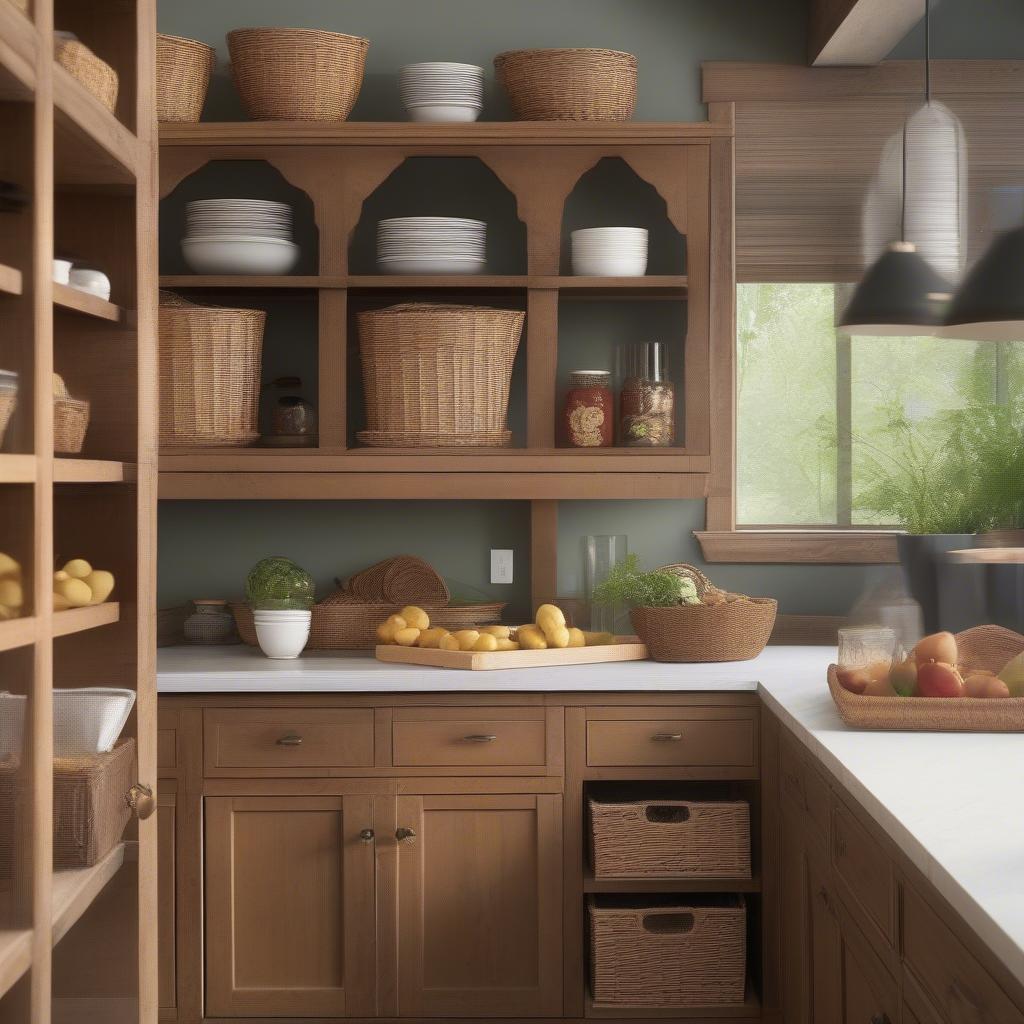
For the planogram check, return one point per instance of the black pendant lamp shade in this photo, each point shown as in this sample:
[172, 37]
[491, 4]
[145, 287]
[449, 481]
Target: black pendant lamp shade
[900, 294]
[989, 305]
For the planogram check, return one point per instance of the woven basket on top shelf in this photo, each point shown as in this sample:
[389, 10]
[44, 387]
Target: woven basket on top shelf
[70, 424]
[96, 75]
[569, 84]
[183, 69]
[402, 580]
[436, 374]
[297, 73]
[209, 373]
[8, 403]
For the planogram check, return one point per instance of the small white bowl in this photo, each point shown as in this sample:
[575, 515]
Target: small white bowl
[444, 112]
[61, 271]
[239, 256]
[283, 638]
[618, 266]
[95, 282]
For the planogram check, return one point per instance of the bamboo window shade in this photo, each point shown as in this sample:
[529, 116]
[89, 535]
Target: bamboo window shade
[810, 142]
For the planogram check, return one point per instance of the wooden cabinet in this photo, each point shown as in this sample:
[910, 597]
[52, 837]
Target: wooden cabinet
[167, 834]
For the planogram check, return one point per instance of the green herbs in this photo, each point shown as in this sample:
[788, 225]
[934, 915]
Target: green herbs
[626, 585]
[277, 583]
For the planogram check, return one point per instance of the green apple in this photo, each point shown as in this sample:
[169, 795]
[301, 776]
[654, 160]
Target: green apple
[1013, 675]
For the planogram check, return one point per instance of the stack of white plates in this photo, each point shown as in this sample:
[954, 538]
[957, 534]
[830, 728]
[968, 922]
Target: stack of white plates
[609, 252]
[239, 236]
[431, 245]
[439, 91]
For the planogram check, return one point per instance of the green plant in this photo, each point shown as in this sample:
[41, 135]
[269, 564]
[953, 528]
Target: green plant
[277, 583]
[627, 585]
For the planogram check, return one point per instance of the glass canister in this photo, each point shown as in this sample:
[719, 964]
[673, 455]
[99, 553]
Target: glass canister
[647, 399]
[210, 623]
[292, 418]
[589, 409]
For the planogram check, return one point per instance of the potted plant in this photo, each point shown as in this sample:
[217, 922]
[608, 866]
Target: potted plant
[681, 617]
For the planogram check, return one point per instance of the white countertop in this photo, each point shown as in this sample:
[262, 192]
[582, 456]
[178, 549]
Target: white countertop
[952, 801]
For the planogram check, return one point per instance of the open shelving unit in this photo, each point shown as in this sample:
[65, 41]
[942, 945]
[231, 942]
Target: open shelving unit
[90, 178]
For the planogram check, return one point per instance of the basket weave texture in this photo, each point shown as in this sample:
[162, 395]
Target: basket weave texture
[983, 647]
[692, 954]
[209, 373]
[569, 84]
[404, 579]
[736, 631]
[96, 75]
[8, 403]
[436, 374]
[70, 424]
[670, 838]
[183, 69]
[296, 73]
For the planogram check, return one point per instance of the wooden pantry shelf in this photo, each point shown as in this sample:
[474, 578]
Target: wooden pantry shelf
[17, 469]
[77, 620]
[74, 889]
[15, 947]
[17, 54]
[232, 281]
[10, 277]
[668, 885]
[68, 298]
[413, 282]
[90, 471]
[17, 633]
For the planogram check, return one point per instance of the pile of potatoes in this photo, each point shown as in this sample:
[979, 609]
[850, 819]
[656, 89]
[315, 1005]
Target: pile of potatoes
[11, 596]
[79, 584]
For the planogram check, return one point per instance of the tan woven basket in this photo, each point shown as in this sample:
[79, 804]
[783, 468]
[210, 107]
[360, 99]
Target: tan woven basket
[70, 424]
[404, 579]
[440, 370]
[688, 953]
[96, 75]
[297, 74]
[8, 403]
[569, 85]
[209, 373]
[183, 69]
[737, 631]
[425, 439]
[670, 838]
[983, 647]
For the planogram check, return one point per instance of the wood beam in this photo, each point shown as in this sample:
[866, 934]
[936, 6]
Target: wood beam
[858, 31]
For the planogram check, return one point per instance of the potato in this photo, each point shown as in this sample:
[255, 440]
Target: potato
[101, 583]
[501, 632]
[985, 684]
[531, 638]
[389, 627]
[937, 647]
[550, 621]
[558, 637]
[486, 642]
[78, 568]
[449, 642]
[415, 617]
[407, 637]
[576, 637]
[9, 567]
[60, 575]
[504, 644]
[10, 594]
[76, 592]
[467, 638]
[432, 637]
[60, 603]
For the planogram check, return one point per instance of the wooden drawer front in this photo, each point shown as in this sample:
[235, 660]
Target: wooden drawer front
[166, 748]
[676, 741]
[457, 737]
[960, 987]
[865, 869]
[803, 788]
[289, 738]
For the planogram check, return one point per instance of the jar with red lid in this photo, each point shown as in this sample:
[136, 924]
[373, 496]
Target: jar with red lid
[589, 411]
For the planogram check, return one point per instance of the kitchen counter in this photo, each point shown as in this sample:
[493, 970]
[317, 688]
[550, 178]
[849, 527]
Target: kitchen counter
[952, 802]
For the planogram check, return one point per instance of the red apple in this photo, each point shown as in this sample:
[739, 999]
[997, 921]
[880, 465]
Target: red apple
[938, 679]
[985, 684]
[940, 647]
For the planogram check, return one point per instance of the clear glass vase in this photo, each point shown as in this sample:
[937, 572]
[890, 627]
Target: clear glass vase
[600, 553]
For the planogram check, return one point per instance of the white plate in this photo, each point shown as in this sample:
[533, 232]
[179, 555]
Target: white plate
[439, 221]
[239, 256]
[427, 267]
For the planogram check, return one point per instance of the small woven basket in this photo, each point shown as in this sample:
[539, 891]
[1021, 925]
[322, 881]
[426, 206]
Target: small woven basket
[436, 374]
[209, 373]
[70, 424]
[569, 85]
[8, 403]
[96, 75]
[735, 631]
[297, 74]
[183, 69]
[404, 579]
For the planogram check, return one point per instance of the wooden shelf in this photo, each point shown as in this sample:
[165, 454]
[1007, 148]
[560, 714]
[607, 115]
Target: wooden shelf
[74, 889]
[749, 1009]
[17, 469]
[15, 945]
[77, 620]
[90, 471]
[239, 281]
[663, 885]
[17, 633]
[457, 282]
[66, 297]
[17, 54]
[10, 277]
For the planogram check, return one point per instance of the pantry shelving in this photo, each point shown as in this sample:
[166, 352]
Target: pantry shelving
[17, 632]
[10, 280]
[664, 885]
[75, 620]
[75, 301]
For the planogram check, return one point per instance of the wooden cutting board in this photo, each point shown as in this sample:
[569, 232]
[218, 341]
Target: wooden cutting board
[626, 648]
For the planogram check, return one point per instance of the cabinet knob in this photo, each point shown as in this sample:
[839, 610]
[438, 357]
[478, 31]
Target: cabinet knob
[479, 737]
[291, 740]
[141, 800]
[405, 835]
[667, 737]
[366, 835]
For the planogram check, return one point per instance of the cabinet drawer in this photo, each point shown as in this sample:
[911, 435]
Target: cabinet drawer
[284, 739]
[960, 987]
[671, 740]
[803, 789]
[865, 869]
[468, 737]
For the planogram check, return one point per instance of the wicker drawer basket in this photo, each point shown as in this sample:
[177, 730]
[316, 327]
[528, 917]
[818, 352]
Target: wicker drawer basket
[688, 953]
[670, 838]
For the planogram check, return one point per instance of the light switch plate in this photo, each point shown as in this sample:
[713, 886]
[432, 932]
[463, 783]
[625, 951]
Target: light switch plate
[501, 565]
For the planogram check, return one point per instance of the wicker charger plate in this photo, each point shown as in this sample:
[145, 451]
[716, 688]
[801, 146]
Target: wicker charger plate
[987, 647]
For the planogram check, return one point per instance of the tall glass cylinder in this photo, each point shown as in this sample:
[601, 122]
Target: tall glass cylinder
[600, 553]
[647, 398]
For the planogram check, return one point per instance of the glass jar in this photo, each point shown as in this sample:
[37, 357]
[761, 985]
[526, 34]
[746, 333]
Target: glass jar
[647, 398]
[292, 418]
[210, 623]
[589, 409]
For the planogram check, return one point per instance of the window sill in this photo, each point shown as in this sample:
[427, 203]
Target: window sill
[822, 547]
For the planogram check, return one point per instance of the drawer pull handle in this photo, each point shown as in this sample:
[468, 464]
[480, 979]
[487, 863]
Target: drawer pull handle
[291, 740]
[667, 737]
[141, 800]
[405, 835]
[366, 835]
[479, 737]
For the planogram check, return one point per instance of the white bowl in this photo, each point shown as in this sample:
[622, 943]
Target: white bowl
[95, 282]
[12, 724]
[61, 271]
[618, 266]
[444, 112]
[89, 720]
[279, 614]
[243, 255]
[617, 234]
[284, 638]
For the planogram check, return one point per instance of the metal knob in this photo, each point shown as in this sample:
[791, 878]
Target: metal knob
[366, 835]
[141, 800]
[291, 740]
[480, 738]
[405, 835]
[667, 737]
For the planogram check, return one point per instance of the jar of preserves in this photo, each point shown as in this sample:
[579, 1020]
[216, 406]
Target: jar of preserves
[647, 398]
[590, 409]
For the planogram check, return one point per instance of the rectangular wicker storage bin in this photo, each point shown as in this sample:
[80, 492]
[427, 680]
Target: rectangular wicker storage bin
[690, 952]
[669, 838]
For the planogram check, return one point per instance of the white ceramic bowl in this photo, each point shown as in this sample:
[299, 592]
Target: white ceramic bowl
[239, 255]
[61, 271]
[444, 112]
[283, 638]
[95, 282]
[89, 720]
[432, 266]
[609, 266]
[610, 234]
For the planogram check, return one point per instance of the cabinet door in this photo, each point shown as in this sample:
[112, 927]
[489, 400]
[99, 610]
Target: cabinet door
[480, 906]
[166, 840]
[870, 994]
[289, 907]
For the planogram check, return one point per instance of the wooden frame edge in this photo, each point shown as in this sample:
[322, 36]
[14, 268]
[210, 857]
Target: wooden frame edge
[819, 547]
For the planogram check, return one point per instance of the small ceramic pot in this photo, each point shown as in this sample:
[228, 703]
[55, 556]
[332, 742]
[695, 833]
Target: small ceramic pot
[283, 634]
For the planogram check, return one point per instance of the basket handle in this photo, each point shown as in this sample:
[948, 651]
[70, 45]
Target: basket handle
[661, 814]
[668, 924]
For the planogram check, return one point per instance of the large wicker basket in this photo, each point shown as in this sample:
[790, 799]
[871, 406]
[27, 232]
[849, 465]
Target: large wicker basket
[96, 75]
[690, 952]
[209, 373]
[436, 374]
[297, 74]
[735, 631]
[569, 85]
[183, 69]
[669, 838]
[70, 424]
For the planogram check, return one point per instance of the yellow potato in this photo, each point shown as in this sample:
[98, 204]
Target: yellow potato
[101, 583]
[486, 642]
[598, 639]
[60, 575]
[530, 638]
[504, 644]
[557, 637]
[415, 617]
[432, 637]
[449, 642]
[60, 603]
[501, 632]
[551, 622]
[78, 568]
[76, 592]
[389, 627]
[467, 638]
[7, 613]
[407, 637]
[10, 594]
[576, 637]
[9, 566]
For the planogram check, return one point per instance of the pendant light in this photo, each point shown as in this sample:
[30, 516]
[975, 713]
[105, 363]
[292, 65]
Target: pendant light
[901, 293]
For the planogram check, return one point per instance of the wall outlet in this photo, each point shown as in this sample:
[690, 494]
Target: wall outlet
[501, 565]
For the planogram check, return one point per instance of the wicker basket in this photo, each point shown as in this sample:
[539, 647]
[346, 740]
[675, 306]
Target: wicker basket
[297, 74]
[688, 953]
[209, 373]
[183, 69]
[439, 370]
[569, 85]
[404, 579]
[96, 75]
[736, 631]
[983, 647]
[670, 838]
[70, 423]
[8, 403]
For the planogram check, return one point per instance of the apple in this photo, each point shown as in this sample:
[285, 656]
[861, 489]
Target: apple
[856, 680]
[903, 677]
[938, 679]
[940, 647]
[985, 684]
[1013, 675]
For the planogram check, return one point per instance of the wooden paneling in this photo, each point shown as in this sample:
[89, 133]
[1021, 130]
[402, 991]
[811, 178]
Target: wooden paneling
[812, 547]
